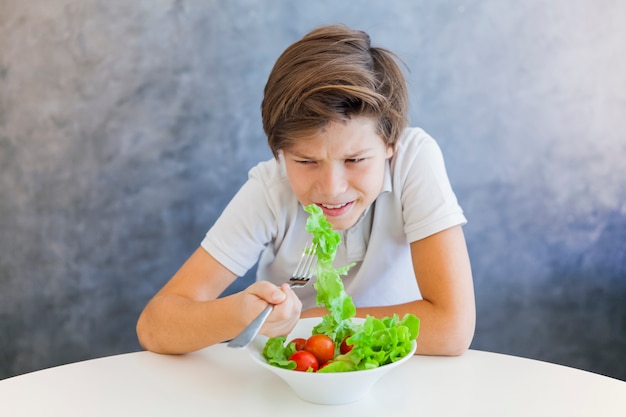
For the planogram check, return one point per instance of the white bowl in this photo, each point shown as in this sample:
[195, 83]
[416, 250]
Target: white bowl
[324, 388]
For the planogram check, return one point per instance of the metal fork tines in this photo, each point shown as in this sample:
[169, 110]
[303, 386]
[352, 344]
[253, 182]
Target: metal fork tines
[301, 276]
[305, 268]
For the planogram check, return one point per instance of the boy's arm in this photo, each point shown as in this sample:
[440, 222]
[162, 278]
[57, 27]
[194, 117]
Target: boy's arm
[186, 315]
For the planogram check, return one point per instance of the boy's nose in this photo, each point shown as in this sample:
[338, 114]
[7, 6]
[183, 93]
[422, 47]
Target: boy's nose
[332, 181]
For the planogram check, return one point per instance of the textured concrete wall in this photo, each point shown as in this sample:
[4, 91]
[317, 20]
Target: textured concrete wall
[125, 127]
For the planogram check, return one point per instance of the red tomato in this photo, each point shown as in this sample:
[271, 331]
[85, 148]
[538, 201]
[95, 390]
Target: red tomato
[345, 347]
[299, 341]
[304, 360]
[321, 346]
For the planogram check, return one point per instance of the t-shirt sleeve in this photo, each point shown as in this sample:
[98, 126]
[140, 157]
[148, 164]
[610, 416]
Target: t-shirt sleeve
[428, 201]
[243, 229]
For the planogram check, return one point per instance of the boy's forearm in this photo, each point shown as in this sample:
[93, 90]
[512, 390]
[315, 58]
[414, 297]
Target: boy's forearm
[173, 324]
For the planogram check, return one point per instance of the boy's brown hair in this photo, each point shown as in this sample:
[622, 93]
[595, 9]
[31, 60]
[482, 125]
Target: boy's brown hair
[332, 75]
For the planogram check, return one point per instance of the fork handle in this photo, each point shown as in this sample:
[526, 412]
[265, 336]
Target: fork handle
[244, 338]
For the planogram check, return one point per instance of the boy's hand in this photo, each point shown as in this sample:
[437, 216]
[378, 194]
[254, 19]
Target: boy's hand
[287, 307]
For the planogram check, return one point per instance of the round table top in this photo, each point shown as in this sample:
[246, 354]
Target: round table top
[223, 381]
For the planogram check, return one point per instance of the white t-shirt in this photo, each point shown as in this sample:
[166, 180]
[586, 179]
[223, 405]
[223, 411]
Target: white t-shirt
[264, 222]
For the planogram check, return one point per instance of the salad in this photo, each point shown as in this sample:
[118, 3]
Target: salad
[337, 344]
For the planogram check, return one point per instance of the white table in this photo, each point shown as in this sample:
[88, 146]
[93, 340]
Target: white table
[219, 381]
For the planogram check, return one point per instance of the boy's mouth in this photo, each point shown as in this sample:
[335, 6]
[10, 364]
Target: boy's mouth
[334, 210]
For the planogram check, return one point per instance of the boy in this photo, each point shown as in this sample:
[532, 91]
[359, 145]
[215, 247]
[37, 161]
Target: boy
[335, 114]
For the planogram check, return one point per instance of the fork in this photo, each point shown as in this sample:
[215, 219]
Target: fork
[301, 276]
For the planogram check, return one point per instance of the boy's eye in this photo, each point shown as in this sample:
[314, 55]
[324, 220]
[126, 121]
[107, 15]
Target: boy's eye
[354, 160]
[304, 161]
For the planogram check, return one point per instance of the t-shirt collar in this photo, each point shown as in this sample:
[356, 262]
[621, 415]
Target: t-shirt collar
[387, 187]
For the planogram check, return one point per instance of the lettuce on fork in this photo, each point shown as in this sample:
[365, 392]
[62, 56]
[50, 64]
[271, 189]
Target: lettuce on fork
[329, 286]
[376, 342]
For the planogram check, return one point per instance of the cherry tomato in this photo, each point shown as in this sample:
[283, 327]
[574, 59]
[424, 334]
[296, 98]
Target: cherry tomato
[345, 347]
[304, 360]
[321, 346]
[299, 341]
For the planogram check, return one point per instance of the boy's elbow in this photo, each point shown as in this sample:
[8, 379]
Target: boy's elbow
[456, 338]
[460, 346]
[142, 334]
[145, 336]
[461, 337]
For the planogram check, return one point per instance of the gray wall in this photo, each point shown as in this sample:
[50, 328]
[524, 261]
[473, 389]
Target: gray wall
[125, 127]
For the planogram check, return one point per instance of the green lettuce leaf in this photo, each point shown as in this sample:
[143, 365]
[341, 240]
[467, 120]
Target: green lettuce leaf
[329, 286]
[277, 353]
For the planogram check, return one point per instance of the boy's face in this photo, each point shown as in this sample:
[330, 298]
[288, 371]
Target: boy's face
[340, 169]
